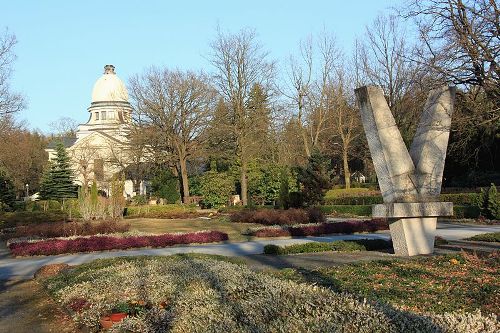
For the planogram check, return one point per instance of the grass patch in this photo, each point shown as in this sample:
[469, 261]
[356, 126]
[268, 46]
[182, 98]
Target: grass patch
[437, 284]
[160, 226]
[352, 192]
[489, 237]
[339, 246]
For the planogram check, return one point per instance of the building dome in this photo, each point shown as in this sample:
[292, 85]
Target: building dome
[109, 87]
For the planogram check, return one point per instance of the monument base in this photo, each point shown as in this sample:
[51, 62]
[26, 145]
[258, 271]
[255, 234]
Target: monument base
[414, 226]
[413, 236]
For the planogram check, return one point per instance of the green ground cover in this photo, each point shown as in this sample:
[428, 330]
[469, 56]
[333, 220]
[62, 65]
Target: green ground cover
[489, 237]
[206, 294]
[339, 246]
[436, 284]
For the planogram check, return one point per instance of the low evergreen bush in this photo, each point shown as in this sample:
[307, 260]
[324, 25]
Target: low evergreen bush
[340, 246]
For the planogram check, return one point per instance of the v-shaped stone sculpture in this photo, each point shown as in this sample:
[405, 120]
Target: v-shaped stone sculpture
[410, 182]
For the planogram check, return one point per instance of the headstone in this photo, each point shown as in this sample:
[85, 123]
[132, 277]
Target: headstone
[410, 182]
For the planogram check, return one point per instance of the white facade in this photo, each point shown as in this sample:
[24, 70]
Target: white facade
[100, 150]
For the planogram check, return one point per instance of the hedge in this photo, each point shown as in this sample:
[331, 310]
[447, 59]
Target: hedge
[340, 246]
[459, 212]
[102, 243]
[357, 210]
[456, 198]
[170, 211]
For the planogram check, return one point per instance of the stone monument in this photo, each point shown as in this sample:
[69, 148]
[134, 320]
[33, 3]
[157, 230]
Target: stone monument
[410, 182]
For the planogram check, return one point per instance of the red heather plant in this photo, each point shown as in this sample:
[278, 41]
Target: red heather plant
[67, 229]
[347, 227]
[102, 243]
[279, 216]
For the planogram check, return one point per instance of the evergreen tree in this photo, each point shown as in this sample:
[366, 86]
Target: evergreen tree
[57, 183]
[7, 193]
[315, 179]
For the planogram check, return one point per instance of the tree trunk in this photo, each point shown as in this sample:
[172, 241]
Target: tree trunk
[184, 179]
[347, 174]
[244, 185]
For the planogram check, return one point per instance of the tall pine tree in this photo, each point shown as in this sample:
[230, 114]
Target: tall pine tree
[57, 183]
[7, 193]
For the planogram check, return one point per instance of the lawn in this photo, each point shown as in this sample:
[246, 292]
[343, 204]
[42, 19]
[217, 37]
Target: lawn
[158, 226]
[209, 294]
[427, 284]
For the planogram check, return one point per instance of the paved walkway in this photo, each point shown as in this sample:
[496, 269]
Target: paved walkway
[24, 268]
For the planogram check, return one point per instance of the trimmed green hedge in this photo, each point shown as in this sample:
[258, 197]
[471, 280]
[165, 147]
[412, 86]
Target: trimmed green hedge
[161, 211]
[459, 212]
[341, 246]
[457, 199]
[466, 212]
[358, 210]
[11, 219]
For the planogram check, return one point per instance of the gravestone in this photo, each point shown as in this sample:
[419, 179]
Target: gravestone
[410, 181]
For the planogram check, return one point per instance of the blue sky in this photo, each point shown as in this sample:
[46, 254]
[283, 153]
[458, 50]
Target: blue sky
[63, 45]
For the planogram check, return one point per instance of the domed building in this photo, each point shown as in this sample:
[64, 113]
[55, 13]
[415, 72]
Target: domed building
[101, 148]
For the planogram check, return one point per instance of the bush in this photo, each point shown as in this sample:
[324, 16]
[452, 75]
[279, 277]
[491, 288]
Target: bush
[347, 227]
[166, 186]
[466, 212]
[315, 179]
[279, 216]
[489, 237]
[340, 246]
[67, 229]
[103, 243]
[216, 188]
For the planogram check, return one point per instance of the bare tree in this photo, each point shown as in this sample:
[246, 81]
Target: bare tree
[462, 39]
[300, 77]
[240, 63]
[345, 120]
[178, 105]
[10, 102]
[309, 79]
[64, 127]
[382, 59]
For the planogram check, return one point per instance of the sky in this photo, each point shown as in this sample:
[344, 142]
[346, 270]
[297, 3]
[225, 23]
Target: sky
[64, 45]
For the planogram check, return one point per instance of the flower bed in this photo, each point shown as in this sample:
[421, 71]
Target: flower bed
[184, 294]
[347, 227]
[279, 216]
[102, 243]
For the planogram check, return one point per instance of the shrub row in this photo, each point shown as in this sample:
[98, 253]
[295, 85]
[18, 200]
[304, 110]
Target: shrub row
[102, 243]
[290, 216]
[66, 229]
[347, 227]
[352, 210]
[459, 212]
[466, 212]
[341, 246]
[171, 211]
[11, 219]
[456, 198]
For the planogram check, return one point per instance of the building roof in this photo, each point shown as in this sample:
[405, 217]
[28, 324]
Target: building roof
[67, 142]
[109, 87]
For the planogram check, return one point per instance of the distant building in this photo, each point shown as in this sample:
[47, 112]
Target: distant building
[358, 177]
[100, 150]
